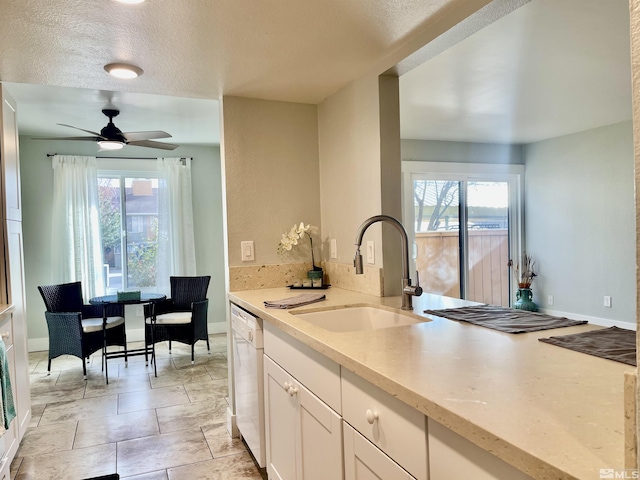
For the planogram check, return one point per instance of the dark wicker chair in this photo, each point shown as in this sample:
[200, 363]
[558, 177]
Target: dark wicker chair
[75, 328]
[181, 318]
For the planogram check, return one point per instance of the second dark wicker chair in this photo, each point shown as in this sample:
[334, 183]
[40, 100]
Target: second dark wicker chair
[181, 318]
[75, 328]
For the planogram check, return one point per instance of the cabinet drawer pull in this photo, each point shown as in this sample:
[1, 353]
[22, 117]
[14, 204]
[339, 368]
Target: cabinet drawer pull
[371, 416]
[292, 391]
[286, 386]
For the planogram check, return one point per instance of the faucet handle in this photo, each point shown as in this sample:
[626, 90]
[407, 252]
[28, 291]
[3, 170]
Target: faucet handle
[417, 288]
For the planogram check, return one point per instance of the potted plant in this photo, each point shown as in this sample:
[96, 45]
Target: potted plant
[524, 272]
[293, 238]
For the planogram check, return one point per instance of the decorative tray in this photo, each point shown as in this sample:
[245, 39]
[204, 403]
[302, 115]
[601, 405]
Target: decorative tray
[293, 287]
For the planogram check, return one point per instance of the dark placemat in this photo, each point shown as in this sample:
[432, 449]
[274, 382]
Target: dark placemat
[613, 343]
[506, 320]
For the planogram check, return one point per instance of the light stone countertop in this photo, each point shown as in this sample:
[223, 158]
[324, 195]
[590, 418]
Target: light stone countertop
[551, 412]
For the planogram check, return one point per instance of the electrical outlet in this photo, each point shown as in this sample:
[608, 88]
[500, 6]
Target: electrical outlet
[334, 248]
[607, 301]
[549, 299]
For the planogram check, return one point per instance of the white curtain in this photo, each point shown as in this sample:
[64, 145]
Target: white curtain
[77, 254]
[176, 245]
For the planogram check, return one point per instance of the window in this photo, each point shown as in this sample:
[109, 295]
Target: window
[465, 224]
[129, 230]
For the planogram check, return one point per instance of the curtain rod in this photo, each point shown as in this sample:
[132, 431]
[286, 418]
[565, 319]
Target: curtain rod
[124, 158]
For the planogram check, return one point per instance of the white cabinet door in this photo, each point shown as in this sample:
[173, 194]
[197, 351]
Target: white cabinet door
[364, 461]
[15, 274]
[452, 457]
[320, 438]
[10, 158]
[280, 422]
[304, 435]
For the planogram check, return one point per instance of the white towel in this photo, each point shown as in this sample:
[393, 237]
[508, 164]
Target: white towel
[297, 301]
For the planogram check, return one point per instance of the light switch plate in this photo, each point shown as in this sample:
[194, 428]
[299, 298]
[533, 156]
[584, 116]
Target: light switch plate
[247, 251]
[371, 252]
[334, 248]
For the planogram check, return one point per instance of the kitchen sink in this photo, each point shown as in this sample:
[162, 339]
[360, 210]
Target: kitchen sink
[357, 318]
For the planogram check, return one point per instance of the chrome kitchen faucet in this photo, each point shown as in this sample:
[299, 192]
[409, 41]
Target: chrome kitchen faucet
[408, 291]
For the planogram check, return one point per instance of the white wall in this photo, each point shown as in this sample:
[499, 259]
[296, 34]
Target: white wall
[37, 195]
[360, 170]
[580, 221]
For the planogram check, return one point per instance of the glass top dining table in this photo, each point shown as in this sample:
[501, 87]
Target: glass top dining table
[146, 350]
[144, 298]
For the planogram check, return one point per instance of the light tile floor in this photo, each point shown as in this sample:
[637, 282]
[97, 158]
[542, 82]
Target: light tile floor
[172, 427]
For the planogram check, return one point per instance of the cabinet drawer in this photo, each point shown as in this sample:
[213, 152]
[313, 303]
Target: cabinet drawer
[393, 426]
[315, 371]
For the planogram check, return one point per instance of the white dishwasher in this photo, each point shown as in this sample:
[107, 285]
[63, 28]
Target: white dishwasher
[248, 379]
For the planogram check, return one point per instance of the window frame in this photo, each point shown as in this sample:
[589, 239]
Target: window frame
[118, 168]
[513, 174]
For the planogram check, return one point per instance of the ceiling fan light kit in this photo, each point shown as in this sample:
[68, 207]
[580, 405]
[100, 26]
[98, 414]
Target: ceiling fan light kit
[110, 145]
[123, 70]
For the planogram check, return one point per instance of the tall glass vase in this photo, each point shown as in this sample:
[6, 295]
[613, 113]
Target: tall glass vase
[524, 297]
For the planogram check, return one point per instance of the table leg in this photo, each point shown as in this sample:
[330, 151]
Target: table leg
[104, 343]
[153, 343]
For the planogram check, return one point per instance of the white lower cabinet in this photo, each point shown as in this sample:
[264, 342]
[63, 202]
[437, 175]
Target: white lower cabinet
[452, 457]
[325, 422]
[304, 435]
[391, 425]
[364, 461]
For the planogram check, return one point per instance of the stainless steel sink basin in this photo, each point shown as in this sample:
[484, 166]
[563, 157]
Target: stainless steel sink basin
[357, 318]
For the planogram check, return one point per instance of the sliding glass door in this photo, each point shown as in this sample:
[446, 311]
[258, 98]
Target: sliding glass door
[465, 227]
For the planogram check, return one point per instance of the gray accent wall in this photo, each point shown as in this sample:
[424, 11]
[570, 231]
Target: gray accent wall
[461, 152]
[580, 221]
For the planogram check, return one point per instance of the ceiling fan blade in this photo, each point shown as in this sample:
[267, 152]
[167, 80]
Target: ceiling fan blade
[152, 144]
[137, 136]
[82, 130]
[93, 139]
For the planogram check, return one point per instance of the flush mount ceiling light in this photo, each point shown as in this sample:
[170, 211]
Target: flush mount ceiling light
[130, 1]
[123, 70]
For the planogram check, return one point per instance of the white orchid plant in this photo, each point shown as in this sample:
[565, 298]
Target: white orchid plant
[294, 237]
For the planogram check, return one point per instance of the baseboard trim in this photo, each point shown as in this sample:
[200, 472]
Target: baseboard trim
[133, 335]
[603, 322]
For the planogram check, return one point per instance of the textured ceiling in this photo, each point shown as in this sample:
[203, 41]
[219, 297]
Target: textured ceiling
[292, 50]
[548, 68]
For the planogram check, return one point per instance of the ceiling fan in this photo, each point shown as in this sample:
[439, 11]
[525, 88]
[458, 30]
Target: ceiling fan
[112, 138]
